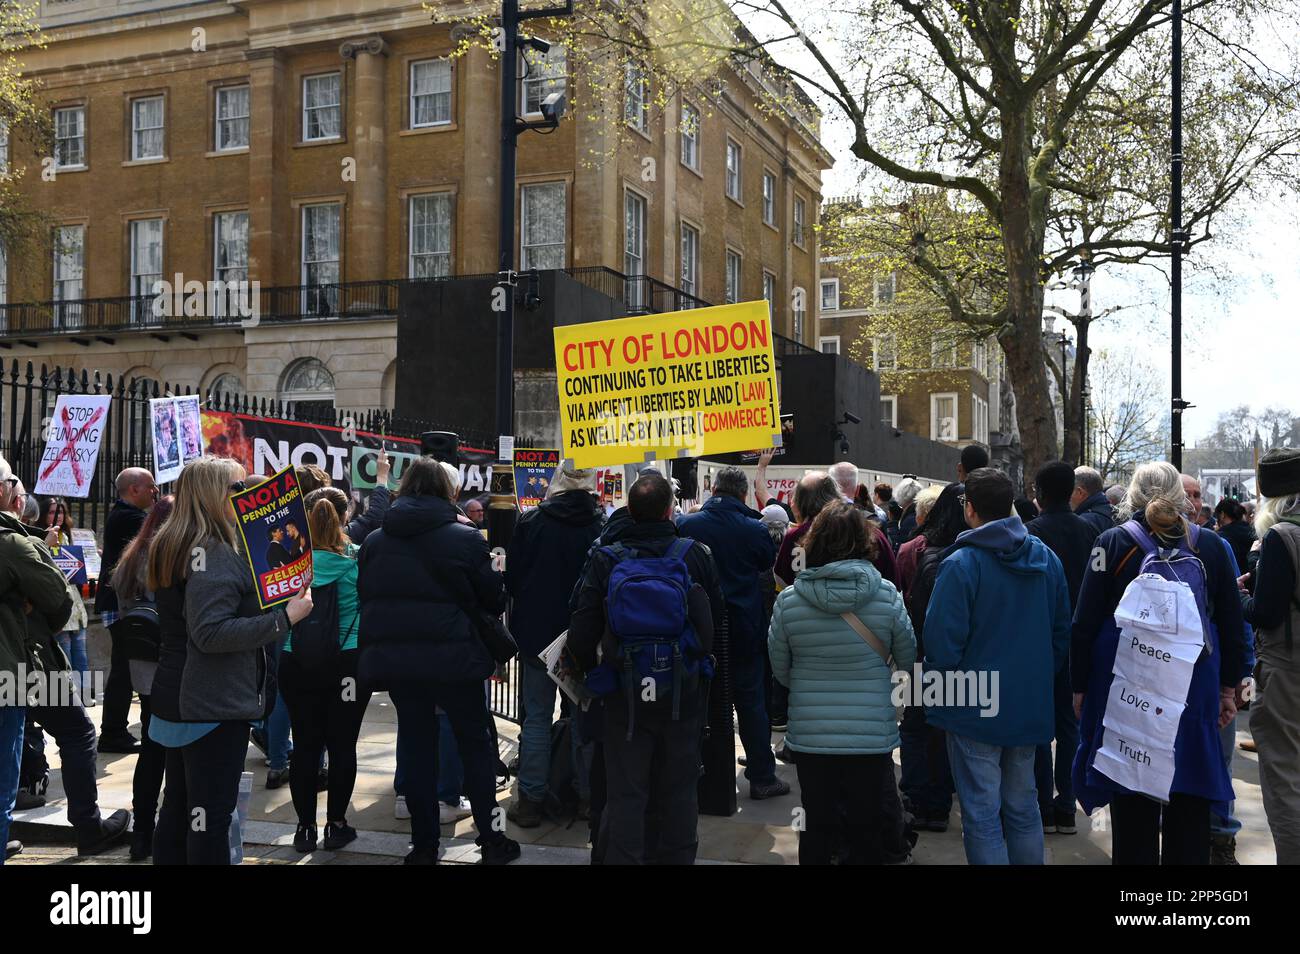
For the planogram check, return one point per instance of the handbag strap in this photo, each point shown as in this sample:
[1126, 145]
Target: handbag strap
[868, 637]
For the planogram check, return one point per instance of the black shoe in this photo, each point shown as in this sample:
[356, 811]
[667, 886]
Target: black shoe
[304, 838]
[742, 760]
[25, 800]
[773, 789]
[323, 780]
[141, 844]
[338, 835]
[115, 743]
[1065, 823]
[931, 821]
[13, 847]
[785, 754]
[105, 834]
[526, 813]
[499, 851]
[258, 738]
[277, 777]
[420, 858]
[1223, 850]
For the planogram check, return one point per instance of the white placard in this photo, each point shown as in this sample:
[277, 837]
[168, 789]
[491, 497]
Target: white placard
[1138, 713]
[177, 430]
[72, 445]
[89, 551]
[1152, 661]
[1137, 766]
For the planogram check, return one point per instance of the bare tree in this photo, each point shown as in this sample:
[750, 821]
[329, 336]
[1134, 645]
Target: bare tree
[1127, 414]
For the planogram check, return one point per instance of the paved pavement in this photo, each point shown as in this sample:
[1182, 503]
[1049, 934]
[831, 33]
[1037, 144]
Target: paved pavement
[759, 833]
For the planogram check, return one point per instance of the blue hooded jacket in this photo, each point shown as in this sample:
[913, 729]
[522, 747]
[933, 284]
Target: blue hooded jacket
[743, 549]
[1001, 610]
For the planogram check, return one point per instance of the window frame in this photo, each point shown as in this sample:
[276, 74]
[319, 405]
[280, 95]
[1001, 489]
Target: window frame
[217, 93]
[738, 196]
[823, 340]
[450, 199]
[642, 125]
[635, 290]
[877, 284]
[83, 137]
[303, 138]
[821, 297]
[694, 138]
[893, 409]
[694, 280]
[561, 83]
[935, 396]
[308, 287]
[769, 201]
[411, 94]
[727, 291]
[132, 102]
[799, 221]
[523, 221]
[876, 349]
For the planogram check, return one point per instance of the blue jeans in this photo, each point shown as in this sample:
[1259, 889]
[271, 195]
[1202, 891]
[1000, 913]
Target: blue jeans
[535, 735]
[74, 647]
[1228, 824]
[751, 714]
[1000, 823]
[278, 746]
[1067, 740]
[451, 774]
[12, 719]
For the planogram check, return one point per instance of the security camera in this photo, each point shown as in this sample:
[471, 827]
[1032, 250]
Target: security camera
[538, 44]
[553, 107]
[852, 418]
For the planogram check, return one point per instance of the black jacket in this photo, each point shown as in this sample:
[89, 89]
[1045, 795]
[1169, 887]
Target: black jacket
[1240, 536]
[587, 624]
[1098, 512]
[918, 598]
[543, 562]
[1070, 537]
[123, 523]
[421, 578]
[907, 525]
[360, 526]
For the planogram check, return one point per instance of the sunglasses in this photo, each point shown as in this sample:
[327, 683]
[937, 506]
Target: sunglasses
[238, 486]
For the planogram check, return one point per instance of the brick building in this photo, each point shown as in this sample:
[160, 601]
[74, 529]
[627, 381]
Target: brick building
[327, 149]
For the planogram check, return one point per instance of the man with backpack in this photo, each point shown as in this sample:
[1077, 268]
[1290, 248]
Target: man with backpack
[997, 627]
[543, 562]
[727, 526]
[651, 603]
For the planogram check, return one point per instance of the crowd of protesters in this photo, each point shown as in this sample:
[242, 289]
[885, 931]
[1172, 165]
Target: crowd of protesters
[810, 608]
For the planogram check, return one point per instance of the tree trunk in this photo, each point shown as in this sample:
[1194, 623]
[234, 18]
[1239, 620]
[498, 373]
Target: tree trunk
[1023, 227]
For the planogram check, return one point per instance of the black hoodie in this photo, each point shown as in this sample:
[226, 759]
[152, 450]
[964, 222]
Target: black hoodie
[420, 577]
[543, 562]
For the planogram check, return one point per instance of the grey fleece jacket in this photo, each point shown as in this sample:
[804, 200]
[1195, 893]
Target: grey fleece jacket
[213, 666]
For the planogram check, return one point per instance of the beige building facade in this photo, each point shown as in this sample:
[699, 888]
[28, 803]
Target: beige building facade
[325, 150]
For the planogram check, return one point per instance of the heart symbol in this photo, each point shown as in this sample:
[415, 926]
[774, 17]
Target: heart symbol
[1159, 710]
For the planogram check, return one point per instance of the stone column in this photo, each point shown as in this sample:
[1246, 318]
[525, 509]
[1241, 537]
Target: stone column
[269, 228]
[366, 232]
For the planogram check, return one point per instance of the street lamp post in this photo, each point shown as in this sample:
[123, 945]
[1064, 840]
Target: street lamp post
[503, 302]
[1178, 237]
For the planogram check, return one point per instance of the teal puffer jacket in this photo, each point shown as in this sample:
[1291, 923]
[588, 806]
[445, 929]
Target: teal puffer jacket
[840, 688]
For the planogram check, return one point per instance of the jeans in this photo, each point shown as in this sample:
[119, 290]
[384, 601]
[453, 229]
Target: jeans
[12, 720]
[1067, 741]
[535, 737]
[659, 768]
[74, 734]
[1226, 825]
[1144, 832]
[278, 747]
[451, 774]
[467, 712]
[150, 764]
[200, 798]
[751, 714]
[324, 719]
[1000, 822]
[74, 647]
[841, 798]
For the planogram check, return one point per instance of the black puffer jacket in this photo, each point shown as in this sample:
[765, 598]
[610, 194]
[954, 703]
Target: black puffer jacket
[544, 560]
[420, 576]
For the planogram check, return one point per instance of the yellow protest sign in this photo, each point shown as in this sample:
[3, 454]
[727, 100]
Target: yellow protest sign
[680, 384]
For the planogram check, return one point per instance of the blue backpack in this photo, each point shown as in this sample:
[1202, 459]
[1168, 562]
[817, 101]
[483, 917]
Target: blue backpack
[653, 652]
[1180, 563]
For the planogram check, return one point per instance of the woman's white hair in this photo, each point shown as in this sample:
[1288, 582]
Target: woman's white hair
[1157, 479]
[1273, 509]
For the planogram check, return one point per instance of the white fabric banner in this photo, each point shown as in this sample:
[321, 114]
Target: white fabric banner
[1137, 713]
[1136, 765]
[1161, 606]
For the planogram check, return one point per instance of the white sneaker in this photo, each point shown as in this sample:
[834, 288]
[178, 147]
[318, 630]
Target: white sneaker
[450, 814]
[400, 811]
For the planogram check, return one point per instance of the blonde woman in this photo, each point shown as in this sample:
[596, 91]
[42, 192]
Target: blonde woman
[211, 681]
[1143, 831]
[1274, 611]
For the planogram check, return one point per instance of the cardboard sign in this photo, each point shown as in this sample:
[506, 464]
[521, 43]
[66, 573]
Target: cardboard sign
[177, 430]
[72, 445]
[534, 469]
[272, 522]
[71, 563]
[680, 384]
[89, 551]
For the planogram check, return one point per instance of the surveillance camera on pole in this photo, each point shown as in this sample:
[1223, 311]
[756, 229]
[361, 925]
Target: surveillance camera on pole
[553, 107]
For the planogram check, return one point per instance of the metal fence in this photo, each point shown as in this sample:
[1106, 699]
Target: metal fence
[27, 400]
